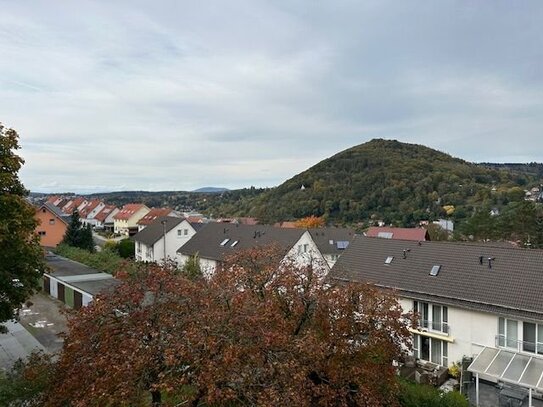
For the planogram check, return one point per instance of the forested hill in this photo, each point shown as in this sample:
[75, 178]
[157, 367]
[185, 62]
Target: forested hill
[387, 180]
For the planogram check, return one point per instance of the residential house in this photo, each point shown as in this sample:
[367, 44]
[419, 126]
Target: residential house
[154, 214]
[104, 218]
[416, 234]
[162, 238]
[88, 212]
[473, 300]
[126, 220]
[74, 204]
[216, 241]
[52, 224]
[54, 200]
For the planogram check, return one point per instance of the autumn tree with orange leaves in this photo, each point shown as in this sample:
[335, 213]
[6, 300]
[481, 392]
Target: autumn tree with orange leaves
[310, 222]
[259, 332]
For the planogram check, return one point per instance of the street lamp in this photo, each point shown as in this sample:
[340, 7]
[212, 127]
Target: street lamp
[163, 222]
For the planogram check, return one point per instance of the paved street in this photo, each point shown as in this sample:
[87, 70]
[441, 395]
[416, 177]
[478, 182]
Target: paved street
[38, 329]
[17, 343]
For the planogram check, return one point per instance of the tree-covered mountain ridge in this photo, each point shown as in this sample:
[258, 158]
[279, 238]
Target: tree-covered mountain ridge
[387, 180]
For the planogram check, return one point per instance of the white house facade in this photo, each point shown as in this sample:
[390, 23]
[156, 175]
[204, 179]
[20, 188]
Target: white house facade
[468, 297]
[162, 238]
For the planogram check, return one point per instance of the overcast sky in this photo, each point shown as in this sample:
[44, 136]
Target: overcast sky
[176, 95]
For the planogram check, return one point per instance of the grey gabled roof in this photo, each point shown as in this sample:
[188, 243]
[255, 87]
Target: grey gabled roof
[155, 230]
[207, 241]
[57, 212]
[512, 286]
[327, 239]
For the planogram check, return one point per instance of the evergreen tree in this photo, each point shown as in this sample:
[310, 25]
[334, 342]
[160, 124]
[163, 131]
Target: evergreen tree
[77, 235]
[191, 269]
[72, 236]
[21, 257]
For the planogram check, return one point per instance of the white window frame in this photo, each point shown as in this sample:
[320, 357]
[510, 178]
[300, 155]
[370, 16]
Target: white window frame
[427, 310]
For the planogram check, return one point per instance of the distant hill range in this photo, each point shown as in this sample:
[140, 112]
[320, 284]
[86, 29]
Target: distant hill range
[391, 181]
[211, 190]
[386, 180]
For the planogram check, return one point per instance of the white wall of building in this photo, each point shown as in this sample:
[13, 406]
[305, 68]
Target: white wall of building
[305, 252]
[175, 238]
[469, 331]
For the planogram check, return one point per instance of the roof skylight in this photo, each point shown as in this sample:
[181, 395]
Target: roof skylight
[223, 243]
[389, 259]
[435, 270]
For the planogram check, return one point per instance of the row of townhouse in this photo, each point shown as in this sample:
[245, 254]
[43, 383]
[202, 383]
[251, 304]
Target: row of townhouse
[177, 239]
[483, 301]
[54, 216]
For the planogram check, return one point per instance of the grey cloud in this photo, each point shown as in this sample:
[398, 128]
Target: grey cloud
[177, 95]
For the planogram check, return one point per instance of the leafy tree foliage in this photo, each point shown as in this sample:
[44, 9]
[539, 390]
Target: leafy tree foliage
[126, 248]
[310, 222]
[420, 395]
[28, 381]
[107, 259]
[21, 258]
[520, 222]
[191, 268]
[78, 235]
[255, 333]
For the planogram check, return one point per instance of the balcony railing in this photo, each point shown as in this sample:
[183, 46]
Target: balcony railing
[519, 346]
[441, 327]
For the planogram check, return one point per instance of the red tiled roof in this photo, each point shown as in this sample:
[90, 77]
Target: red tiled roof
[127, 211]
[104, 213]
[248, 221]
[89, 208]
[52, 199]
[416, 234]
[195, 219]
[286, 225]
[153, 214]
[73, 204]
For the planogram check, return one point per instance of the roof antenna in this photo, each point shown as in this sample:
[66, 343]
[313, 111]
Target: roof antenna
[480, 259]
[405, 251]
[490, 260]
[420, 243]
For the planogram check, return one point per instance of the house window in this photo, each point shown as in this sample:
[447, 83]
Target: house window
[431, 350]
[138, 247]
[306, 247]
[532, 335]
[179, 232]
[41, 233]
[185, 232]
[432, 316]
[51, 221]
[507, 333]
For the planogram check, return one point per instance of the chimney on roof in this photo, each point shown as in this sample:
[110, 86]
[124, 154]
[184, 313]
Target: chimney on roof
[490, 260]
